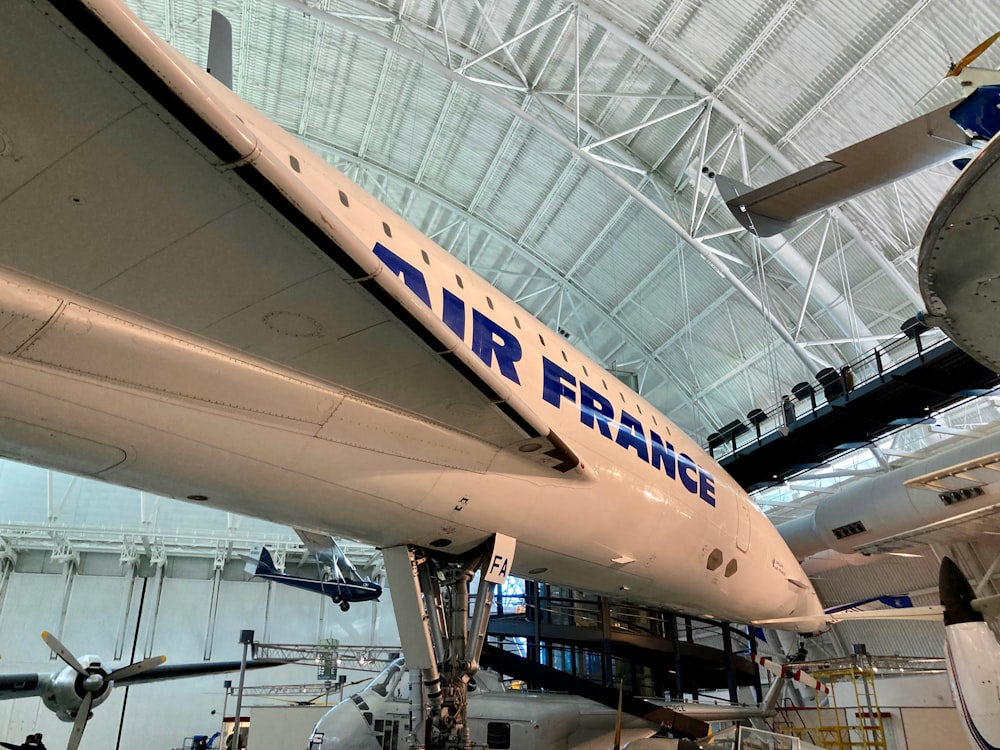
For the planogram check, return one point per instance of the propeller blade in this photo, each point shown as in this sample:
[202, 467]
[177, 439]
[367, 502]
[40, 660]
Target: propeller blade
[792, 672]
[80, 723]
[770, 665]
[63, 653]
[137, 667]
[972, 55]
[800, 675]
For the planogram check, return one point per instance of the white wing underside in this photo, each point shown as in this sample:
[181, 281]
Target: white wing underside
[116, 199]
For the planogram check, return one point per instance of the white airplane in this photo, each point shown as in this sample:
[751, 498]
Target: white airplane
[973, 656]
[379, 716]
[193, 303]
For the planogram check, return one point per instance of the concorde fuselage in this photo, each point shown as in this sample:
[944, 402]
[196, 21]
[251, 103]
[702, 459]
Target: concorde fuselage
[644, 513]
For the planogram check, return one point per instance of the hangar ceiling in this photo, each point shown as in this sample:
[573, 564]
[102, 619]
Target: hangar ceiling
[564, 150]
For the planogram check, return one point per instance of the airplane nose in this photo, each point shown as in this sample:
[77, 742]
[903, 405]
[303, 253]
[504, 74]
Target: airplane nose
[343, 728]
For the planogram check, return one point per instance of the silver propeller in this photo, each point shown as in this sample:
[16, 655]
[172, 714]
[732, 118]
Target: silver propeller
[130, 670]
[93, 682]
[63, 653]
[80, 723]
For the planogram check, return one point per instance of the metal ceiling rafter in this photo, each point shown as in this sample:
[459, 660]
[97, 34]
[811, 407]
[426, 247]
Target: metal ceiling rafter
[438, 125]
[812, 277]
[860, 66]
[775, 20]
[644, 124]
[759, 139]
[383, 78]
[521, 115]
[504, 46]
[498, 158]
[442, 19]
[568, 171]
[317, 45]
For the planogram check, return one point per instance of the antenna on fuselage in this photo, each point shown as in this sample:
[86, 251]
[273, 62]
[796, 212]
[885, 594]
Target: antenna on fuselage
[220, 49]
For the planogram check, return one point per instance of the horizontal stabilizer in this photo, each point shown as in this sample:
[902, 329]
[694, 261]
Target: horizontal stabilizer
[930, 612]
[918, 144]
[988, 606]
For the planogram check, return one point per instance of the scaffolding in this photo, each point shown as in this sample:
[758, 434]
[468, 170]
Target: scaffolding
[855, 727]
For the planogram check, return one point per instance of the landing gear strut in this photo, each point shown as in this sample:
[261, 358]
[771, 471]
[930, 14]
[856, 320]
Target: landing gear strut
[430, 596]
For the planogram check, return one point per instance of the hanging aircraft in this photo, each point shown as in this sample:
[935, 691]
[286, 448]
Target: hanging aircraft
[340, 580]
[195, 304]
[954, 132]
[83, 684]
[957, 267]
[379, 717]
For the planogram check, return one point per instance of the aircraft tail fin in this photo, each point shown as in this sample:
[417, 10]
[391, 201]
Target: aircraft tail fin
[956, 595]
[259, 562]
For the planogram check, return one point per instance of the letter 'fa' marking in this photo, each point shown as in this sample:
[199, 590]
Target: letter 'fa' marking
[501, 558]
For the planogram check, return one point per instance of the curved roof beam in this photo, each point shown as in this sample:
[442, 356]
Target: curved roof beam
[764, 144]
[594, 161]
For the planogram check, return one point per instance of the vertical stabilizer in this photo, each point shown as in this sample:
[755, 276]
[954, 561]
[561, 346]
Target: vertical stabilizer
[956, 595]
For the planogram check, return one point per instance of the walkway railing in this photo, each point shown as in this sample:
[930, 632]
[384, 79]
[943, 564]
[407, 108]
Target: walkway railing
[808, 397]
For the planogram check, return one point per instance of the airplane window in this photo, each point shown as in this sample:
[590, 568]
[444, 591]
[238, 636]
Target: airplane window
[294, 162]
[714, 559]
[489, 302]
[541, 339]
[498, 735]
[654, 420]
[623, 397]
[604, 383]
[385, 228]
[459, 280]
[343, 198]
[638, 408]
[565, 358]
[423, 254]
[585, 370]
[383, 682]
[517, 322]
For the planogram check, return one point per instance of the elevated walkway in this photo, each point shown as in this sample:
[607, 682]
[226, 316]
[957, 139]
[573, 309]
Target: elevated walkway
[656, 651]
[885, 399]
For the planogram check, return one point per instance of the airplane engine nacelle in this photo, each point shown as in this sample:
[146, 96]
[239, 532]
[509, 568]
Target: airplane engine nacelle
[68, 689]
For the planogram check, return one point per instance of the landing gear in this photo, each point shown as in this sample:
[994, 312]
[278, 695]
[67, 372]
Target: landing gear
[344, 606]
[430, 596]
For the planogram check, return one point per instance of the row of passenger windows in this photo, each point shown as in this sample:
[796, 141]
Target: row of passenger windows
[517, 323]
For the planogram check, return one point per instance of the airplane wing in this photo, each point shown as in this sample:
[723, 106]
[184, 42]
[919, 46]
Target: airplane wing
[138, 180]
[315, 542]
[921, 143]
[23, 685]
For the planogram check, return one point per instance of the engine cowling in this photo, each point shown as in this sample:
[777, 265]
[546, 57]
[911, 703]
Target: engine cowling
[69, 688]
